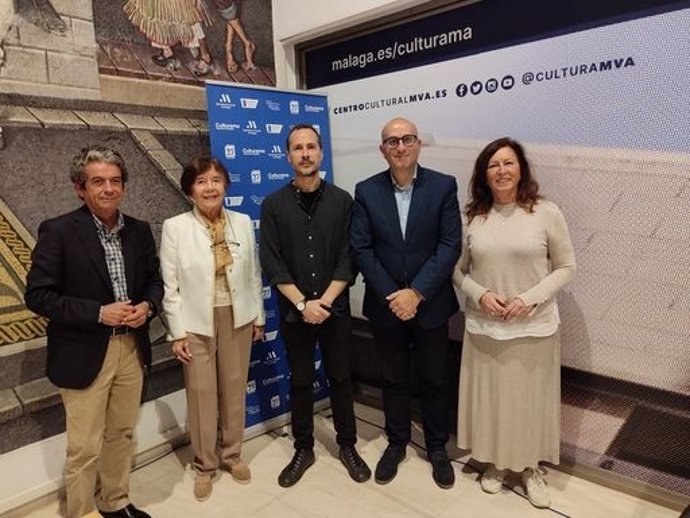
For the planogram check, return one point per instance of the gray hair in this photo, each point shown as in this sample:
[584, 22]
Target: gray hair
[95, 153]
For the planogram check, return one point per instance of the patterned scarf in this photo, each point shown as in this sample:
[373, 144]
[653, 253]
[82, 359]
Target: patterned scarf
[221, 249]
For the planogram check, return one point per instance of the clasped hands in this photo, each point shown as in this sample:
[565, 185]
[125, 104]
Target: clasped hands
[316, 311]
[123, 313]
[500, 307]
[403, 303]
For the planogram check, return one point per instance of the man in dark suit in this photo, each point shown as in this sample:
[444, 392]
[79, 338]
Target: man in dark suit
[95, 276]
[406, 235]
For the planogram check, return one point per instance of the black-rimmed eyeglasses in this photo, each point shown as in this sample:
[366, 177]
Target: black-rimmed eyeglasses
[393, 142]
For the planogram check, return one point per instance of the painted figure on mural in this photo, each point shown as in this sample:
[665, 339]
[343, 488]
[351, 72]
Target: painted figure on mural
[306, 255]
[167, 23]
[95, 276]
[214, 309]
[229, 11]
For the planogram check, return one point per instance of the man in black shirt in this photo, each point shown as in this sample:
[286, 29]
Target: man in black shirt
[305, 253]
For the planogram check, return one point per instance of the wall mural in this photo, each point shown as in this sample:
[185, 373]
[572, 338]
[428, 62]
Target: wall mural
[57, 61]
[67, 49]
[186, 41]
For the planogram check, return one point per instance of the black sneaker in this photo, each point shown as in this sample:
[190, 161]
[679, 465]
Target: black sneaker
[301, 461]
[387, 467]
[441, 469]
[356, 467]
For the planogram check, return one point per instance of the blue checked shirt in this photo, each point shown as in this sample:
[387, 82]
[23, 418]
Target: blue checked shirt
[112, 246]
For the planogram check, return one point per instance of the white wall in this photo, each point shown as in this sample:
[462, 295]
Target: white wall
[297, 21]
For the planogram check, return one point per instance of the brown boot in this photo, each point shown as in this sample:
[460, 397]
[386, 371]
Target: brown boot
[241, 472]
[202, 487]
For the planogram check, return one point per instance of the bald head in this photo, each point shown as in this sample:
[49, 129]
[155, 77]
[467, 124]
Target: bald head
[400, 146]
[396, 125]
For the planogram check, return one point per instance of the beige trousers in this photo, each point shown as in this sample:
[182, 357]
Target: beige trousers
[216, 381]
[100, 426]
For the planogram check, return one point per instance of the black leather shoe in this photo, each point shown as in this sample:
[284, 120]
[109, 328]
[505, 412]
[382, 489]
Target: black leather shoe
[387, 467]
[441, 469]
[126, 512]
[301, 461]
[356, 467]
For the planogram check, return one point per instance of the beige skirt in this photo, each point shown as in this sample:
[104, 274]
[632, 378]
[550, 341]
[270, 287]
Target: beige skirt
[510, 400]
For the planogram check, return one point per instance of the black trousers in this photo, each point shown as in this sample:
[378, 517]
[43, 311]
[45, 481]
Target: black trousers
[428, 348]
[334, 341]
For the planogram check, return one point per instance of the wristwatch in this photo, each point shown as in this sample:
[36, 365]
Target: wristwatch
[149, 314]
[301, 305]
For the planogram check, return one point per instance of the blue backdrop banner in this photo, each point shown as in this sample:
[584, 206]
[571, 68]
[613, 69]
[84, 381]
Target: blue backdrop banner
[248, 128]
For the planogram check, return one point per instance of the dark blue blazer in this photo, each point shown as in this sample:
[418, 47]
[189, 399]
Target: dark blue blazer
[69, 282]
[423, 259]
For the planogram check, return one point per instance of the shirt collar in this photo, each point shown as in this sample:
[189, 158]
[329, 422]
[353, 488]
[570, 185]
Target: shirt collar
[319, 189]
[399, 188]
[102, 227]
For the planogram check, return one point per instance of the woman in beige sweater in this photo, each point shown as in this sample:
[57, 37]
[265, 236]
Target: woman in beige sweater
[516, 255]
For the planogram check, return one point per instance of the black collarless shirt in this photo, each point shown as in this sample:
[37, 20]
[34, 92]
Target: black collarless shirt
[305, 240]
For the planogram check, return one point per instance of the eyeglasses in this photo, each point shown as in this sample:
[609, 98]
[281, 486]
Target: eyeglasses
[394, 142]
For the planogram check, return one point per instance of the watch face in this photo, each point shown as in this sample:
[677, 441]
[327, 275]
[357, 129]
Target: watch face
[301, 306]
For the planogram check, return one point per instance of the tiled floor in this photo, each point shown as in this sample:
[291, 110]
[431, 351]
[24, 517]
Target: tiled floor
[164, 488]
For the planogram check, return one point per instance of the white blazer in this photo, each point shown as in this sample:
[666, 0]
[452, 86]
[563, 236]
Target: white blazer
[187, 266]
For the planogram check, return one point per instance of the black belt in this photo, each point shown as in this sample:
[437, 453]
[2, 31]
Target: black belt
[120, 330]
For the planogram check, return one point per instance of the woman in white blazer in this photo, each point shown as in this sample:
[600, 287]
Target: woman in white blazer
[214, 310]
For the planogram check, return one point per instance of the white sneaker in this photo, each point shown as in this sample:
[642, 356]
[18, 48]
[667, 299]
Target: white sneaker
[492, 479]
[535, 487]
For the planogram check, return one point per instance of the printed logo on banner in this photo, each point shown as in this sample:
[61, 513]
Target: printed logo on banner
[225, 102]
[254, 363]
[269, 336]
[230, 151]
[317, 365]
[266, 292]
[271, 358]
[294, 107]
[271, 313]
[317, 127]
[251, 128]
[258, 200]
[313, 108]
[227, 126]
[235, 178]
[253, 409]
[273, 105]
[255, 176]
[251, 387]
[273, 379]
[277, 152]
[277, 177]
[274, 129]
[275, 401]
[252, 151]
[234, 201]
[322, 174]
[249, 104]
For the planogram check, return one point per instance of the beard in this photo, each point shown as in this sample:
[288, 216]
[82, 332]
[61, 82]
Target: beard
[309, 173]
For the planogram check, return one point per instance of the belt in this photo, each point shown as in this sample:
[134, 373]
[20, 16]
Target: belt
[120, 330]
